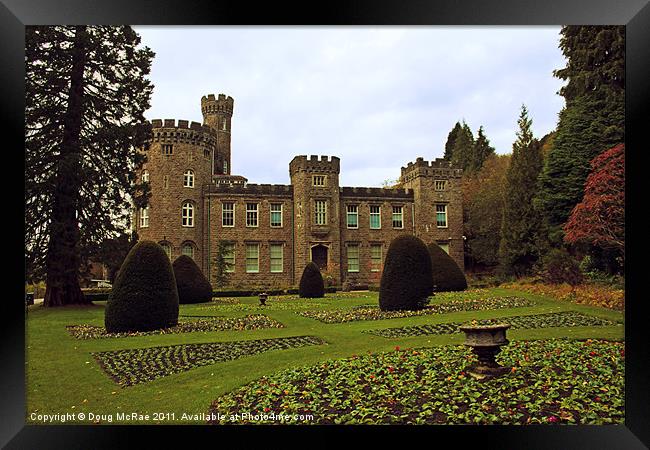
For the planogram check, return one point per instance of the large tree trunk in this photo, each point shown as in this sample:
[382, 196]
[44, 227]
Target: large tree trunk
[63, 258]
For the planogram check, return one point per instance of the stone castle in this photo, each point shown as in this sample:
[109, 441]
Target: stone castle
[268, 233]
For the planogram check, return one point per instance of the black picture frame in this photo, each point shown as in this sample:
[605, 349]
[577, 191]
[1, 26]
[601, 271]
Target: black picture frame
[635, 14]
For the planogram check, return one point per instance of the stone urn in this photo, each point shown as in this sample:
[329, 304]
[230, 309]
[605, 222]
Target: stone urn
[486, 342]
[263, 297]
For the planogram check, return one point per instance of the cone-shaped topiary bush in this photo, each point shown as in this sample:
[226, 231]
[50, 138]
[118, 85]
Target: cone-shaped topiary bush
[193, 286]
[447, 276]
[406, 282]
[144, 295]
[311, 282]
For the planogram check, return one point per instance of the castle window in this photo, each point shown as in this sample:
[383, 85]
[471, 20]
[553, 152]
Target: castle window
[441, 216]
[277, 260]
[440, 185]
[225, 167]
[353, 257]
[224, 125]
[144, 217]
[228, 214]
[375, 217]
[318, 180]
[444, 246]
[353, 216]
[398, 217]
[167, 149]
[167, 248]
[252, 258]
[320, 209]
[251, 214]
[229, 256]
[375, 257]
[188, 179]
[206, 153]
[188, 250]
[145, 176]
[188, 215]
[166, 181]
[190, 156]
[276, 215]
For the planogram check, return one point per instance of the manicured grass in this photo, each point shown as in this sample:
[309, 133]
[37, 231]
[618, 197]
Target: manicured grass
[64, 377]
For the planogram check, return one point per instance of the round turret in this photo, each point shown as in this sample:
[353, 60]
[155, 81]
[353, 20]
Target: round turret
[217, 114]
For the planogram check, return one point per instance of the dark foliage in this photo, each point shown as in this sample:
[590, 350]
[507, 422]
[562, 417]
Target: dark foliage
[447, 276]
[406, 281]
[193, 286]
[561, 267]
[144, 295]
[311, 282]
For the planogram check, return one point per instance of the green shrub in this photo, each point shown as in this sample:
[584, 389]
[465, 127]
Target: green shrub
[311, 282]
[447, 276]
[406, 281]
[560, 267]
[193, 286]
[144, 295]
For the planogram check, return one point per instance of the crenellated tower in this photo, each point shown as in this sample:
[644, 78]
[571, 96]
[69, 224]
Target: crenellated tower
[438, 203]
[217, 114]
[316, 213]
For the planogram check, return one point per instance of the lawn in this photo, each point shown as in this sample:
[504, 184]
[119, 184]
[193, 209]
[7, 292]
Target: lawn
[328, 360]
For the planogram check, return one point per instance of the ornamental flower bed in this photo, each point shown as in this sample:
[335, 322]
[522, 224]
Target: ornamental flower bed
[374, 313]
[134, 366]
[551, 382]
[185, 325]
[562, 319]
[587, 294]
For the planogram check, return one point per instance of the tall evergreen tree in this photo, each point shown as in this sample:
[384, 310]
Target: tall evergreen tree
[520, 230]
[86, 93]
[592, 120]
[461, 155]
[480, 152]
[451, 140]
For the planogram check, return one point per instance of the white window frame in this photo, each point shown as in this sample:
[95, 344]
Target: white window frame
[167, 248]
[167, 149]
[144, 217]
[281, 258]
[271, 215]
[377, 214]
[250, 215]
[187, 215]
[320, 214]
[354, 213]
[188, 179]
[225, 167]
[320, 179]
[440, 185]
[190, 246]
[446, 225]
[257, 259]
[373, 267]
[401, 215]
[223, 214]
[145, 176]
[358, 258]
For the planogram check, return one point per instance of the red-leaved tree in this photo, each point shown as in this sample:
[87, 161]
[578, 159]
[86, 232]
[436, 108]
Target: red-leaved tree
[600, 218]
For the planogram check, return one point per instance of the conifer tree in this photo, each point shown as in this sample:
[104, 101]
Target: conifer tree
[480, 152]
[592, 120]
[86, 93]
[451, 140]
[520, 230]
[463, 150]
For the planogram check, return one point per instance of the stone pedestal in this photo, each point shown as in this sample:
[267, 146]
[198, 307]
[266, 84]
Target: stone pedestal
[486, 342]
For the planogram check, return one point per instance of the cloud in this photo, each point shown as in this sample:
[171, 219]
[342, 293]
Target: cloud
[377, 97]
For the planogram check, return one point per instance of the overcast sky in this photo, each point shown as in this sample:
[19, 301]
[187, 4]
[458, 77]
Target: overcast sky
[377, 97]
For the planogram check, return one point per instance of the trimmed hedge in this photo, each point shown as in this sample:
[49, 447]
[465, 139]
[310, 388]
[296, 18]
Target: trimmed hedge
[407, 281]
[311, 282]
[193, 286]
[447, 276]
[144, 295]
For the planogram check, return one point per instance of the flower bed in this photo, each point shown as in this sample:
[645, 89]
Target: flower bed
[374, 313]
[587, 294]
[553, 381]
[134, 366]
[185, 325]
[561, 319]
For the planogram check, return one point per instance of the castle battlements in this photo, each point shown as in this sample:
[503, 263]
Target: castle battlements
[220, 104]
[382, 193]
[168, 130]
[250, 189]
[439, 167]
[325, 164]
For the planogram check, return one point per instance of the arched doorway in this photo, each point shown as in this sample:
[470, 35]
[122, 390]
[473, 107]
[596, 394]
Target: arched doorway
[319, 256]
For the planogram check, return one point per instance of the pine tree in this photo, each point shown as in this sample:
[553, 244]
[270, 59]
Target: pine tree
[520, 230]
[451, 140]
[480, 152]
[593, 118]
[85, 98]
[463, 148]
